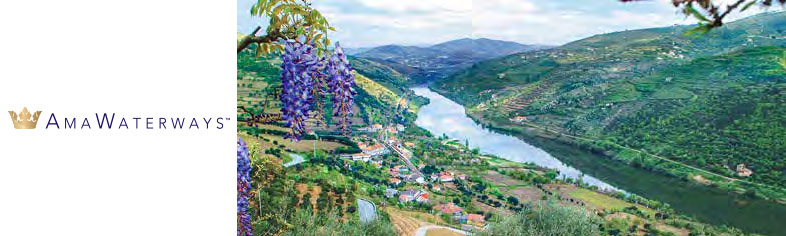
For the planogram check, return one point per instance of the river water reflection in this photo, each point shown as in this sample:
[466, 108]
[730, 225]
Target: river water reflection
[710, 205]
[443, 116]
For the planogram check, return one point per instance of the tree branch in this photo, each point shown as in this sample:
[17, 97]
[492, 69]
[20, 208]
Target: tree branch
[719, 19]
[713, 11]
[252, 38]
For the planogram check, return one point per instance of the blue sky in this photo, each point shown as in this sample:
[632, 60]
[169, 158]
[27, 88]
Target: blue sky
[365, 23]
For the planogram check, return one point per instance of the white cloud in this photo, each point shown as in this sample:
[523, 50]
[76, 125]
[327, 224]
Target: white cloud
[562, 23]
[379, 22]
[373, 22]
[430, 6]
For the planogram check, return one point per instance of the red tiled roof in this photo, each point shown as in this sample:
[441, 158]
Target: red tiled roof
[373, 147]
[448, 208]
[475, 217]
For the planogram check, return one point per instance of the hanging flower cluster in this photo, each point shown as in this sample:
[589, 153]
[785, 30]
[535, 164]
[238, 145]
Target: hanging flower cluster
[300, 68]
[244, 227]
[341, 83]
[302, 75]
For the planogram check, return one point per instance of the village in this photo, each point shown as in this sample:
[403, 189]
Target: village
[409, 184]
[420, 180]
[459, 188]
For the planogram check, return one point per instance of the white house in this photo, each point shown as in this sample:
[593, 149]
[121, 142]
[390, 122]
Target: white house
[375, 150]
[357, 156]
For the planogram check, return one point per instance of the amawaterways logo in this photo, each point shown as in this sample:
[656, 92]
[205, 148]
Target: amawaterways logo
[23, 120]
[111, 121]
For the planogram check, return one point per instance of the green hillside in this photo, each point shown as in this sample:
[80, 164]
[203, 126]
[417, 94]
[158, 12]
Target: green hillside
[381, 98]
[711, 122]
[381, 73]
[600, 59]
[426, 64]
[709, 101]
[319, 196]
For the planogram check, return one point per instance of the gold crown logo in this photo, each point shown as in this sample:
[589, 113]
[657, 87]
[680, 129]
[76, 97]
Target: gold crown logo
[23, 121]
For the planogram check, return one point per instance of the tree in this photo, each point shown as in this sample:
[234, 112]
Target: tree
[513, 200]
[309, 72]
[288, 20]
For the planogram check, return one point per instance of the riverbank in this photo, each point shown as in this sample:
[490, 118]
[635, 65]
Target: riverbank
[639, 159]
[445, 117]
[693, 198]
[629, 156]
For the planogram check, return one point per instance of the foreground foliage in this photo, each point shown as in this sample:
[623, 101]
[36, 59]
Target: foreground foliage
[306, 224]
[547, 219]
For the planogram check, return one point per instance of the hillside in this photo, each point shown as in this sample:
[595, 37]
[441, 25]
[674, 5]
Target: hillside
[424, 64]
[380, 98]
[707, 101]
[483, 48]
[319, 195]
[381, 73]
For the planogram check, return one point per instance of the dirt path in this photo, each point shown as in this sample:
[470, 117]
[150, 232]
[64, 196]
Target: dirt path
[408, 223]
[404, 225]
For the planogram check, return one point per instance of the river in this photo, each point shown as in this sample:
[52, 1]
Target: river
[443, 116]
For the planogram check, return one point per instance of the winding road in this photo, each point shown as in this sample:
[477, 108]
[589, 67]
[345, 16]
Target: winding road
[367, 210]
[296, 159]
[422, 230]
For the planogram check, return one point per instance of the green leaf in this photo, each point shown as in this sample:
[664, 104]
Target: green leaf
[747, 5]
[277, 10]
[254, 10]
[270, 4]
[690, 10]
[699, 30]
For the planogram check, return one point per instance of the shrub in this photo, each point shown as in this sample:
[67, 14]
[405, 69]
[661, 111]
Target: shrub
[306, 224]
[547, 219]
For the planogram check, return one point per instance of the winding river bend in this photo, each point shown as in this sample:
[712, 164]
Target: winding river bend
[443, 116]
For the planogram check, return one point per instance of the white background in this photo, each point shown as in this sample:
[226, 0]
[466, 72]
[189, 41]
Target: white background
[135, 58]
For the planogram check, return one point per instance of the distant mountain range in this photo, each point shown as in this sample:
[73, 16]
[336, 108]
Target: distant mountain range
[425, 64]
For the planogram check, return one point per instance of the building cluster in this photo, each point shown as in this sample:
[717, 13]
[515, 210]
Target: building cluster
[402, 172]
[409, 195]
[374, 152]
[446, 176]
[369, 153]
[379, 127]
[399, 147]
[416, 190]
[468, 221]
[372, 128]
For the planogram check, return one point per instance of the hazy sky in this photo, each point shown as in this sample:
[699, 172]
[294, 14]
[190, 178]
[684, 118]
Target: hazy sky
[364, 23]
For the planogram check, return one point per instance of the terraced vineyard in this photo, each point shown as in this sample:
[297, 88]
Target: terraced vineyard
[607, 87]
